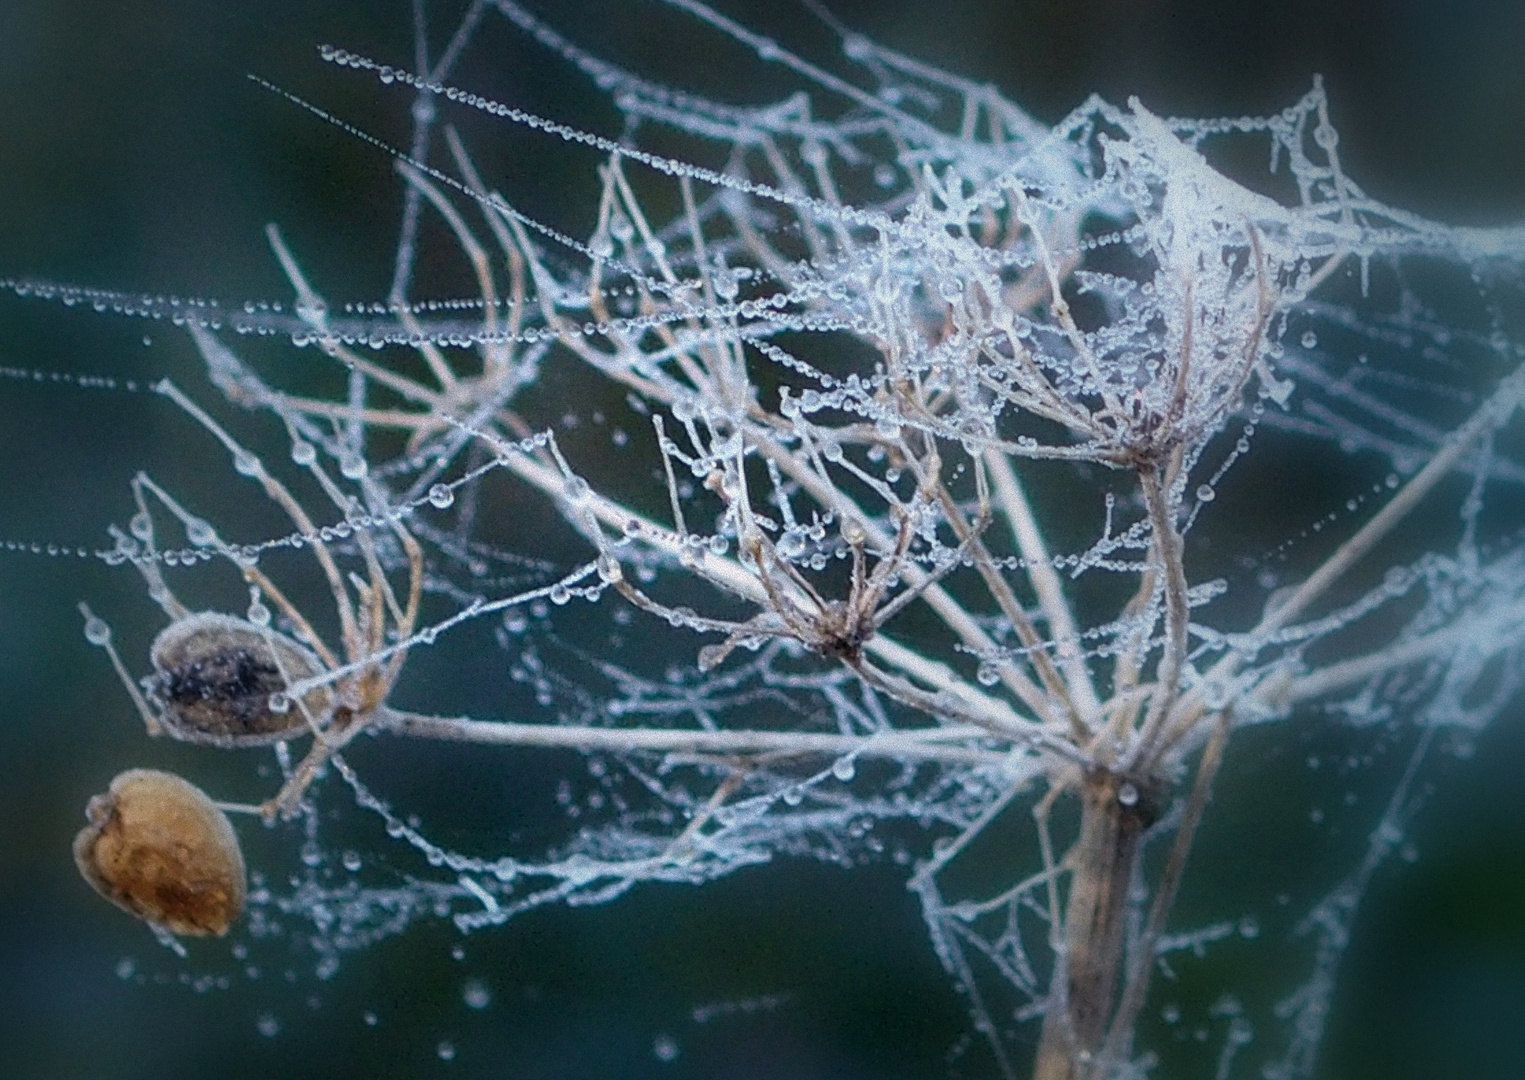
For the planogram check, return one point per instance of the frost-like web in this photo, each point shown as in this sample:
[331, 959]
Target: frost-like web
[922, 412]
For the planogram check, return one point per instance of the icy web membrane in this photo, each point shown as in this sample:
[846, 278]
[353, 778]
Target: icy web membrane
[935, 427]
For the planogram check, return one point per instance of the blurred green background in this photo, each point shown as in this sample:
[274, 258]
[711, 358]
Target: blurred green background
[134, 154]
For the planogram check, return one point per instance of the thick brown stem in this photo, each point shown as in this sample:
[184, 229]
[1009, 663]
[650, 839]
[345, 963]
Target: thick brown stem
[1115, 811]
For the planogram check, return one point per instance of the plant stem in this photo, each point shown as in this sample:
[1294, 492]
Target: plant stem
[1115, 812]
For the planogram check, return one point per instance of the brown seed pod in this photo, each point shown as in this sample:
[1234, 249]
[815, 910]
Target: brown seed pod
[157, 847]
[214, 677]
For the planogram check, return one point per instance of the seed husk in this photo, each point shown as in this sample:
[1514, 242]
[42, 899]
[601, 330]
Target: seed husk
[159, 848]
[215, 676]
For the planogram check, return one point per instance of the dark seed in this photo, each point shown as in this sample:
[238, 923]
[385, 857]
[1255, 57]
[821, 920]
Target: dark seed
[214, 678]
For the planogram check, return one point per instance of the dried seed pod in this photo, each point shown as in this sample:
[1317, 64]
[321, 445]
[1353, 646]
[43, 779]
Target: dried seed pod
[157, 847]
[215, 675]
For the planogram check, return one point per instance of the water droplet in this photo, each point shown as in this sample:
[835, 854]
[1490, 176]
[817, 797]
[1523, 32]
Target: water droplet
[245, 463]
[1205, 493]
[440, 496]
[988, 674]
[351, 861]
[560, 594]
[1309, 339]
[445, 1050]
[267, 1025]
[96, 631]
[843, 769]
[1127, 794]
[280, 703]
[352, 465]
[476, 994]
[665, 1047]
[303, 452]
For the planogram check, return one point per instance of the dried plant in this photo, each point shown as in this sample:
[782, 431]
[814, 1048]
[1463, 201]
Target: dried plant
[888, 358]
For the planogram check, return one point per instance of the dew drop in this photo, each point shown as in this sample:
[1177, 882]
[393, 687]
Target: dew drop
[476, 994]
[844, 769]
[303, 452]
[1205, 493]
[267, 1025]
[665, 1048]
[445, 1050]
[440, 497]
[1309, 339]
[96, 631]
[1127, 794]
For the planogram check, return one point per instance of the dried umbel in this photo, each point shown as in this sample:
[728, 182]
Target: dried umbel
[158, 847]
[216, 676]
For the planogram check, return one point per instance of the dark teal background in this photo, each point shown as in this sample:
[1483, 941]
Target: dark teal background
[135, 154]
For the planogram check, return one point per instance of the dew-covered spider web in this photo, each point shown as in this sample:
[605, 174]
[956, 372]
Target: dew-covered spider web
[784, 503]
